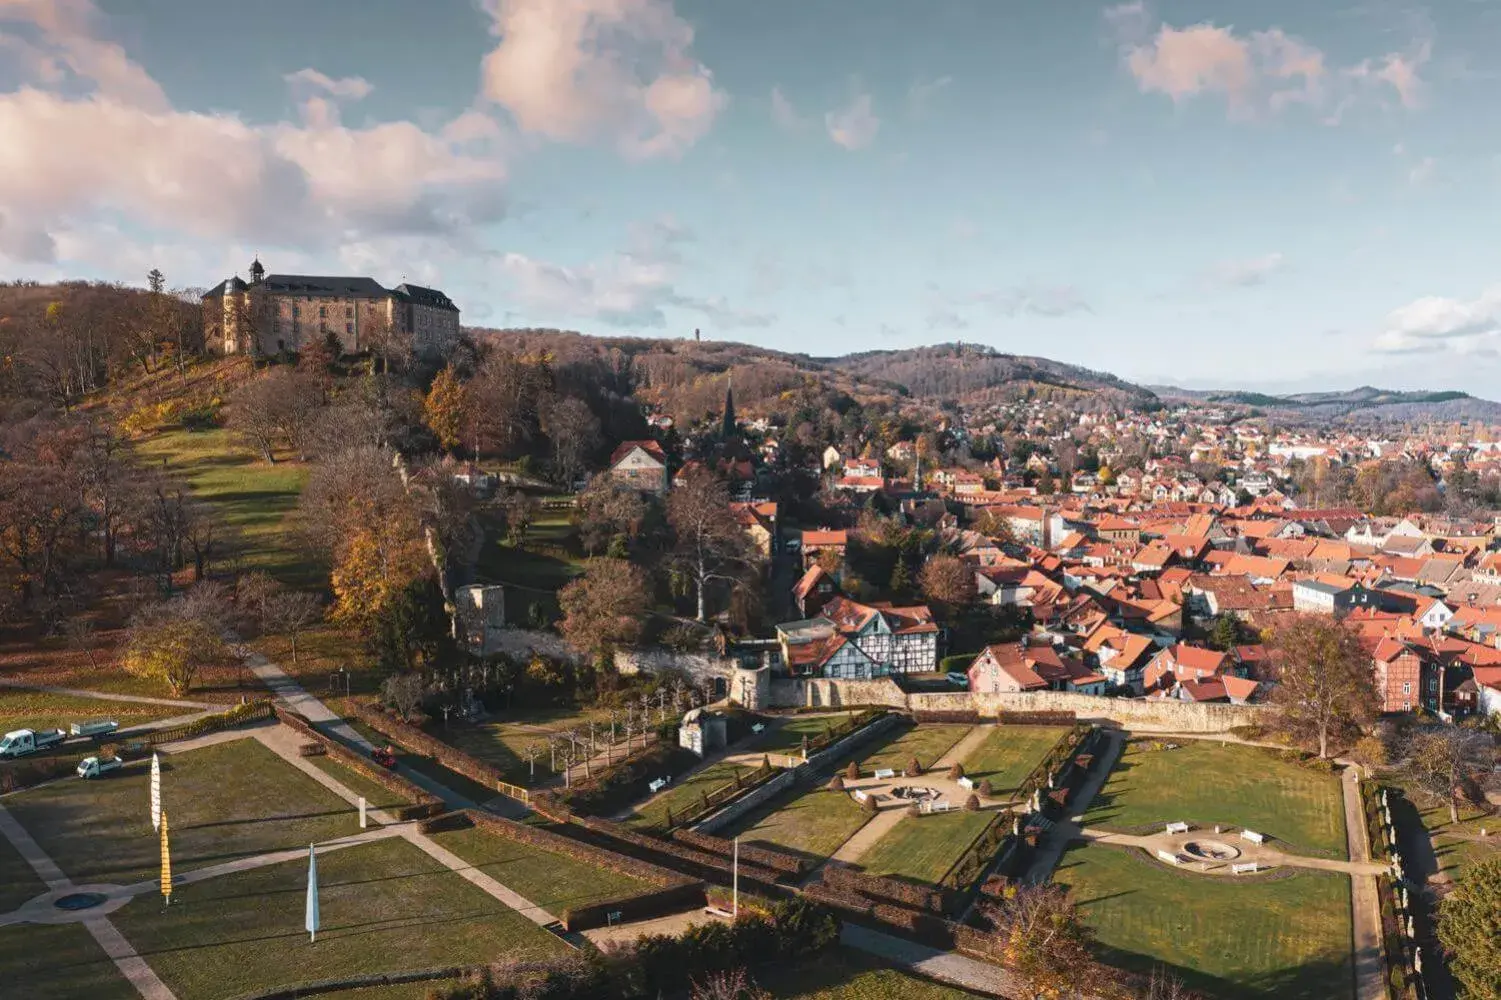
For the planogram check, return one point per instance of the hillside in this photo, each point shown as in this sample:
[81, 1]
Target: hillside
[958, 371]
[1363, 402]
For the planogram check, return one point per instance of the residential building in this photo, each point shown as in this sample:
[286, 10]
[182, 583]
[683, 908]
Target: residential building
[641, 465]
[860, 641]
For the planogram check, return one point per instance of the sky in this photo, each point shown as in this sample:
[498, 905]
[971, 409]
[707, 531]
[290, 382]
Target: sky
[1274, 194]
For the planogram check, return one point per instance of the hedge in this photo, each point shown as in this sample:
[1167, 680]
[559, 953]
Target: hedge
[456, 761]
[419, 804]
[684, 859]
[617, 785]
[24, 773]
[346, 983]
[588, 854]
[967, 717]
[766, 857]
[250, 711]
[444, 823]
[881, 888]
[657, 903]
[1037, 718]
[980, 853]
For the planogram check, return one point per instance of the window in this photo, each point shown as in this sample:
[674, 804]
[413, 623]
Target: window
[348, 327]
[349, 311]
[1407, 687]
[322, 312]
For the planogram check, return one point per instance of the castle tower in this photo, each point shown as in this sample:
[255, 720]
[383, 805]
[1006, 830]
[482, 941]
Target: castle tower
[257, 271]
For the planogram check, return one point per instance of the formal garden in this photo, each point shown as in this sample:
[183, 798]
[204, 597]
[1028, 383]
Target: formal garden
[1296, 803]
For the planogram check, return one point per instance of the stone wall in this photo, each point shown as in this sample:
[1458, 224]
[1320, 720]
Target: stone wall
[1128, 713]
[755, 797]
[523, 643]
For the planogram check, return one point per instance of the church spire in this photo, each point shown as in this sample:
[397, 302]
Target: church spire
[727, 429]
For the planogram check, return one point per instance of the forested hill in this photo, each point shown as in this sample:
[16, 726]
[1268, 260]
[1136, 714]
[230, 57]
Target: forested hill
[1365, 401]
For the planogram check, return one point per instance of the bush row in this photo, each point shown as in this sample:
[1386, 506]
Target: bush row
[929, 928]
[684, 859]
[612, 788]
[588, 854]
[642, 906]
[884, 889]
[763, 856]
[23, 773]
[1399, 977]
[367, 981]
[416, 740]
[419, 804]
[981, 852]
[250, 711]
[447, 821]
[1060, 753]
[969, 717]
[1037, 718]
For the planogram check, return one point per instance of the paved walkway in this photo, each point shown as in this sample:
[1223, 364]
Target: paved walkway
[894, 809]
[11, 682]
[945, 966]
[1050, 851]
[130, 964]
[1370, 964]
[1264, 855]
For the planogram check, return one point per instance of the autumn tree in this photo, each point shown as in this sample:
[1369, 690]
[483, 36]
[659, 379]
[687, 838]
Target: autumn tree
[997, 527]
[1040, 936]
[710, 544]
[1469, 928]
[505, 400]
[947, 581]
[604, 608]
[443, 407]
[175, 640]
[279, 407]
[573, 431]
[607, 509]
[1324, 685]
[1444, 760]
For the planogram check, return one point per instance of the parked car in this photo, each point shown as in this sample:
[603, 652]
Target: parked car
[98, 727]
[95, 767]
[959, 678]
[384, 756]
[20, 742]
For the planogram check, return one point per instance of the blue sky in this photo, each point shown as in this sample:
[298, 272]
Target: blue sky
[1253, 193]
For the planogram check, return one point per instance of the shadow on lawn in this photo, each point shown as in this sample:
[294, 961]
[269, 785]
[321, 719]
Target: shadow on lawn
[1319, 980]
[337, 931]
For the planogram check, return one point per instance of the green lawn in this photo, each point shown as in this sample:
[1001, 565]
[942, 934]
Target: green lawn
[1207, 784]
[377, 796]
[58, 962]
[845, 974]
[548, 558]
[1458, 845]
[40, 710]
[385, 907]
[428, 767]
[1286, 936]
[814, 821]
[1009, 754]
[251, 498]
[686, 794]
[925, 847]
[502, 742]
[223, 801]
[787, 738]
[18, 880]
[553, 881]
[925, 742]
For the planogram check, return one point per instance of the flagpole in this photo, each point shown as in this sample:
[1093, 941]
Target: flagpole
[310, 920]
[735, 884]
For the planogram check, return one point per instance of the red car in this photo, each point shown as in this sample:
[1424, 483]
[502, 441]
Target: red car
[385, 757]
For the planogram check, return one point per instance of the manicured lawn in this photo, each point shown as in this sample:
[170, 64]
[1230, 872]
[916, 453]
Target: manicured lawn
[40, 710]
[377, 796]
[385, 907]
[686, 794]
[251, 498]
[787, 738]
[1458, 845]
[61, 961]
[553, 881]
[845, 974]
[814, 821]
[925, 847]
[1009, 754]
[18, 880]
[1286, 936]
[925, 742]
[223, 801]
[1209, 784]
[503, 742]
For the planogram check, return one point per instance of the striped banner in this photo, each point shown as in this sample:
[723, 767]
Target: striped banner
[166, 862]
[156, 792]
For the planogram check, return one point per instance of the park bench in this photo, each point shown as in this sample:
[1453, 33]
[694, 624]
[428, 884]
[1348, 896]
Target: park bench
[885, 773]
[967, 784]
[659, 784]
[1169, 857]
[759, 727]
[1177, 828]
[1253, 836]
[1249, 866]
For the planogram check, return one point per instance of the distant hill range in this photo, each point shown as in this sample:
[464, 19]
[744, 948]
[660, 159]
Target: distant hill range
[1366, 401]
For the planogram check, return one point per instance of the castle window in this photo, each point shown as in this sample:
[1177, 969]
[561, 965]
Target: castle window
[348, 327]
[322, 311]
[349, 310]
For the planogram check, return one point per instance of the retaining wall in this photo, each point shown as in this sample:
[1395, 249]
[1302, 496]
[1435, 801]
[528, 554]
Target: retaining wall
[1128, 713]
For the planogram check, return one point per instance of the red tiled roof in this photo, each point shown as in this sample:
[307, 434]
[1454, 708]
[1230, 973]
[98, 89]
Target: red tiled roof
[626, 447]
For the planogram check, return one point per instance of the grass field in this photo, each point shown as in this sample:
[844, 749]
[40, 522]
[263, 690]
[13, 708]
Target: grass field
[222, 801]
[252, 499]
[1458, 845]
[1207, 783]
[377, 796]
[686, 794]
[18, 880]
[41, 710]
[1009, 754]
[814, 821]
[548, 558]
[553, 881]
[1287, 937]
[925, 742]
[61, 961]
[787, 738]
[503, 742]
[925, 847]
[845, 974]
[385, 907]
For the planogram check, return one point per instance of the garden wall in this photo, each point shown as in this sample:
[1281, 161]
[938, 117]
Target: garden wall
[522, 643]
[1129, 713]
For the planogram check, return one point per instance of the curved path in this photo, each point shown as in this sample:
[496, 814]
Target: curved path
[1262, 854]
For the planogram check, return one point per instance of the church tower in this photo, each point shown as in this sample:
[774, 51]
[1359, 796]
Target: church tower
[257, 271]
[727, 429]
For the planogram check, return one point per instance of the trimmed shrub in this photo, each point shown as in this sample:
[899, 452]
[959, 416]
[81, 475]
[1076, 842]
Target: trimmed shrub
[914, 768]
[445, 822]
[871, 805]
[963, 717]
[972, 804]
[1037, 718]
[956, 771]
[852, 771]
[313, 749]
[836, 783]
[765, 856]
[249, 711]
[885, 889]
[986, 789]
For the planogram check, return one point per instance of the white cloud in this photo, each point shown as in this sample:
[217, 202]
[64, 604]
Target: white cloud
[619, 71]
[1435, 324]
[1249, 272]
[121, 153]
[1257, 73]
[350, 88]
[855, 125]
[783, 113]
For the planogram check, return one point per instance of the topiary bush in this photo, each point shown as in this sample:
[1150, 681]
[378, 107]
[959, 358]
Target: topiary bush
[986, 788]
[914, 768]
[871, 805]
[836, 783]
[852, 771]
[972, 804]
[956, 771]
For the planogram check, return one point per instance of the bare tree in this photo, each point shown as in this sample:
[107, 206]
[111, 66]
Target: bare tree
[292, 613]
[1444, 760]
[573, 430]
[710, 544]
[404, 692]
